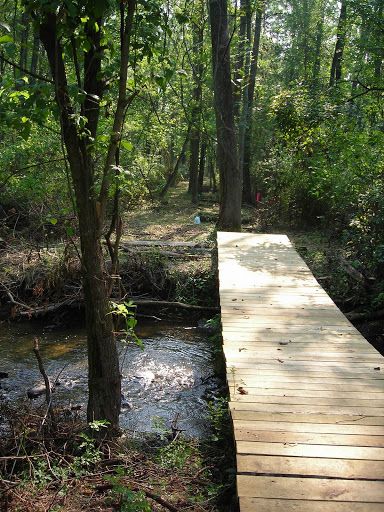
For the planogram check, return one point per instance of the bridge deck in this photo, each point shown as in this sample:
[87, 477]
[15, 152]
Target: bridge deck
[306, 389]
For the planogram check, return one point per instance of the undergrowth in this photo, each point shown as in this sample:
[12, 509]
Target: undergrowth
[68, 466]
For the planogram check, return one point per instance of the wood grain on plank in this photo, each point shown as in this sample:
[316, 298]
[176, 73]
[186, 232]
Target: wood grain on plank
[310, 450]
[264, 436]
[310, 488]
[301, 417]
[331, 468]
[276, 505]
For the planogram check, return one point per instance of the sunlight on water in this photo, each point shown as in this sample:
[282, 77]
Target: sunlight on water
[170, 378]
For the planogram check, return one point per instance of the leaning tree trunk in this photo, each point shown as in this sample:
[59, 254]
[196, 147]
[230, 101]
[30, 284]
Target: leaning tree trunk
[230, 174]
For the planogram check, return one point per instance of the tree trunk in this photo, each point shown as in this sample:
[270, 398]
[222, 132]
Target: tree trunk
[203, 148]
[193, 187]
[230, 174]
[379, 40]
[104, 379]
[25, 23]
[318, 45]
[197, 70]
[35, 54]
[173, 175]
[248, 195]
[244, 117]
[337, 61]
[239, 64]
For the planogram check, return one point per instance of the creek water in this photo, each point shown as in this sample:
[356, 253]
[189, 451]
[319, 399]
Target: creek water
[168, 380]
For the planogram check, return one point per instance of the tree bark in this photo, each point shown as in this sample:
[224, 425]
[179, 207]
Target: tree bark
[230, 174]
[248, 196]
[25, 23]
[241, 49]
[318, 45]
[203, 150]
[195, 136]
[35, 54]
[337, 61]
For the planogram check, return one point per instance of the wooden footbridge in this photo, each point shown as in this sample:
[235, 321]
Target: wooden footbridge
[306, 389]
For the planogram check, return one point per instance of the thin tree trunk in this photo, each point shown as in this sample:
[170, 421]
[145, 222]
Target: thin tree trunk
[337, 61]
[230, 174]
[35, 54]
[244, 118]
[239, 64]
[318, 46]
[104, 379]
[379, 40]
[197, 71]
[203, 148]
[173, 175]
[25, 23]
[248, 195]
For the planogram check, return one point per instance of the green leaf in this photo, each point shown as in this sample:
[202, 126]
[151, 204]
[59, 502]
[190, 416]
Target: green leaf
[18, 94]
[53, 221]
[70, 231]
[6, 39]
[126, 145]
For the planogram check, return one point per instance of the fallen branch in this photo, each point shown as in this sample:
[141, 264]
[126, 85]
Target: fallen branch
[161, 243]
[155, 497]
[48, 390]
[182, 305]
[42, 310]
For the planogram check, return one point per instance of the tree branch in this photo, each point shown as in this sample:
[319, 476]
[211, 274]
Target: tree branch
[27, 72]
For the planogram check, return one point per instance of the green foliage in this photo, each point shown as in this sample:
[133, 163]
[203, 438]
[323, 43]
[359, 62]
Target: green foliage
[176, 454]
[219, 418]
[127, 312]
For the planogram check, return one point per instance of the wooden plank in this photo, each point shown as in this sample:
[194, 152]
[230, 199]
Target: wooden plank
[289, 348]
[271, 385]
[269, 336]
[298, 417]
[331, 468]
[318, 428]
[305, 409]
[282, 311]
[308, 400]
[310, 450]
[275, 505]
[311, 488]
[264, 436]
[254, 355]
[308, 393]
[308, 376]
[279, 332]
[341, 369]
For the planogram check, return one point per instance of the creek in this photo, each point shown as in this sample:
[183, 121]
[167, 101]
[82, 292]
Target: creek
[170, 379]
